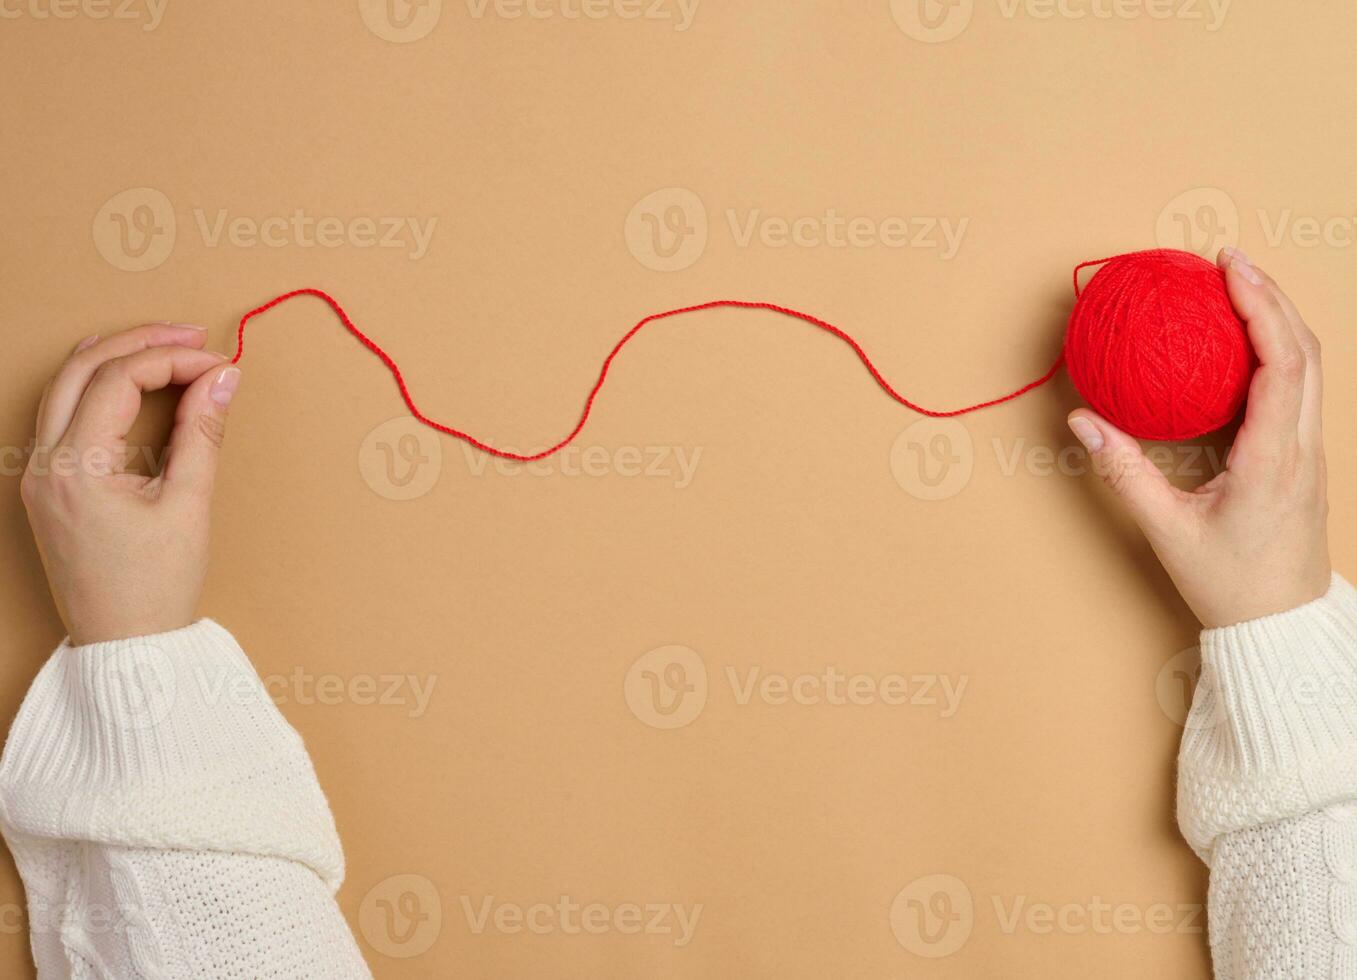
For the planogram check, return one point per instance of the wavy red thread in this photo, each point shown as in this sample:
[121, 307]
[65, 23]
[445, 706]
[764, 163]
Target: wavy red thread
[391, 365]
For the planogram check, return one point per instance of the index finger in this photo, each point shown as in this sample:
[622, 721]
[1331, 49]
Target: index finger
[112, 399]
[63, 394]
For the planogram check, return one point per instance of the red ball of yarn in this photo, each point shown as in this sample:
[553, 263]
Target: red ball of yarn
[1155, 347]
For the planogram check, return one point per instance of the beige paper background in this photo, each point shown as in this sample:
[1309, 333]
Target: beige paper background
[526, 598]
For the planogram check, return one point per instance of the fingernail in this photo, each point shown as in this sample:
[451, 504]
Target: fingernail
[189, 326]
[1087, 433]
[1244, 265]
[87, 343]
[224, 388]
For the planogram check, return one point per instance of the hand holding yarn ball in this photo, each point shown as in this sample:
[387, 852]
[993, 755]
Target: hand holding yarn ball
[1154, 345]
[1253, 540]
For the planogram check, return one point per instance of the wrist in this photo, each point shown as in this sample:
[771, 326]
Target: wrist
[1250, 606]
[106, 628]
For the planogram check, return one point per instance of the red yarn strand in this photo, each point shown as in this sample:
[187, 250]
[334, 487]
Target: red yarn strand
[391, 365]
[1090, 264]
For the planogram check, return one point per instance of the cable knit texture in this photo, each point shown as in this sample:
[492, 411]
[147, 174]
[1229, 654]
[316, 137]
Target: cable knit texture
[167, 821]
[1267, 780]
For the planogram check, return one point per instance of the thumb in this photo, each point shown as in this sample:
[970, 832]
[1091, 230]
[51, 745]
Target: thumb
[199, 428]
[1131, 476]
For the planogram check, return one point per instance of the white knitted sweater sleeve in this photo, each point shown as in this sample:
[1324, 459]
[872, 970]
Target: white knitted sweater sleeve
[1267, 791]
[166, 820]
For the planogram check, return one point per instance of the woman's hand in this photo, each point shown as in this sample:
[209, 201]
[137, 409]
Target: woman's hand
[126, 554]
[1254, 540]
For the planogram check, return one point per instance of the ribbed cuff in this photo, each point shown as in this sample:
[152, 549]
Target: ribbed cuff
[167, 740]
[1272, 732]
